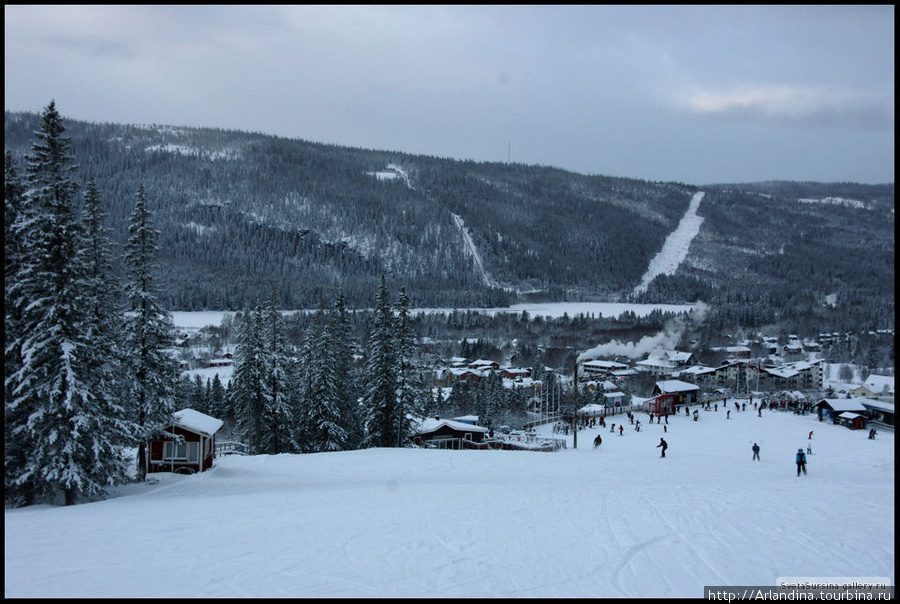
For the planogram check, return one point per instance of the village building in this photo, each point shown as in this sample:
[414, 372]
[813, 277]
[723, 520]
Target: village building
[879, 387]
[879, 411]
[187, 446]
[614, 398]
[599, 370]
[848, 412]
[484, 365]
[656, 366]
[682, 393]
[515, 373]
[738, 352]
[446, 433]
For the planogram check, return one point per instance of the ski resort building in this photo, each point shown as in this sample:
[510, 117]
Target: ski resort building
[682, 392]
[848, 412]
[447, 433]
[186, 447]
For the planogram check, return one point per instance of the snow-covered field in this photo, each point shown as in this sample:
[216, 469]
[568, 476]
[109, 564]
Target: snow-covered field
[613, 521]
[554, 310]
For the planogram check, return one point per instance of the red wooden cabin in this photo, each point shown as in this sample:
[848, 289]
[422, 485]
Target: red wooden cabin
[187, 446]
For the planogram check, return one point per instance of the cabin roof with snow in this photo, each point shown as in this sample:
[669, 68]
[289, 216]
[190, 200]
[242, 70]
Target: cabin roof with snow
[431, 424]
[604, 364]
[671, 386]
[842, 404]
[677, 356]
[877, 384]
[878, 405]
[192, 420]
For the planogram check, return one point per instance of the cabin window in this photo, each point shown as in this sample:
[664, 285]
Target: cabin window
[183, 451]
[175, 451]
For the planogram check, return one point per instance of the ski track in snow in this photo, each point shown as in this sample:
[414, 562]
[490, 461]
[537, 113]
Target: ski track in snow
[473, 251]
[400, 171]
[675, 248]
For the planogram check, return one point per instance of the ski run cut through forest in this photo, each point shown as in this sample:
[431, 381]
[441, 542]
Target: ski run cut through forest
[616, 520]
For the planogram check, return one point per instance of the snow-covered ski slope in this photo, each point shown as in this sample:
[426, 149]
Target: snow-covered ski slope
[472, 251]
[614, 521]
[675, 248]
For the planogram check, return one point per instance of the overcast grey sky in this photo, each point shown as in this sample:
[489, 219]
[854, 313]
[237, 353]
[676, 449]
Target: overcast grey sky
[697, 94]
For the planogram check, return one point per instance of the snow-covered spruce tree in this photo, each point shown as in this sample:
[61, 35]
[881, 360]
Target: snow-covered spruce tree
[105, 323]
[197, 394]
[380, 399]
[325, 427]
[247, 391]
[409, 395]
[72, 433]
[216, 398]
[17, 491]
[279, 409]
[152, 370]
[340, 351]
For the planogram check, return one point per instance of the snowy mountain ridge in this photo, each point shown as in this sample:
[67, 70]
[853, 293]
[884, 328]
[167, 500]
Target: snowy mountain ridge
[316, 219]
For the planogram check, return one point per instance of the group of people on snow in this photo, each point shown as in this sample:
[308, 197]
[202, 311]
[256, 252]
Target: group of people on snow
[800, 457]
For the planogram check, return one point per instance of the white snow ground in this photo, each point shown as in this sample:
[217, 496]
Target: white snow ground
[615, 521]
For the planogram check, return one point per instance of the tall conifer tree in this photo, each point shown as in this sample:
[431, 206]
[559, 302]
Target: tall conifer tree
[279, 415]
[340, 350]
[149, 334]
[17, 490]
[380, 399]
[71, 433]
[247, 391]
[409, 400]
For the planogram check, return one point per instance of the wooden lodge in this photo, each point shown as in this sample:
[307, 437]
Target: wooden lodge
[187, 446]
[447, 433]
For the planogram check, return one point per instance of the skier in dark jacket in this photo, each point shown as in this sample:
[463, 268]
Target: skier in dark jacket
[597, 441]
[664, 445]
[756, 451]
[801, 462]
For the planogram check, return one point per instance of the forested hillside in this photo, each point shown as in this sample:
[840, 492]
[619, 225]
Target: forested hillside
[242, 213]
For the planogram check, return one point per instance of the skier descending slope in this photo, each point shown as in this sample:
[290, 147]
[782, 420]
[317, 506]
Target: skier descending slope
[664, 445]
[801, 462]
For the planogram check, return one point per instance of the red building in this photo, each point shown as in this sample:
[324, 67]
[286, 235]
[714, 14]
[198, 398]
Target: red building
[188, 446]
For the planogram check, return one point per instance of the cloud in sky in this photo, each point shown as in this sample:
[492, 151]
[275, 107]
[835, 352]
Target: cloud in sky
[652, 92]
[796, 106]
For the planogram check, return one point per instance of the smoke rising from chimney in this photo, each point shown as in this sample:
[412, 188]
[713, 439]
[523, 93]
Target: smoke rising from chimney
[667, 339]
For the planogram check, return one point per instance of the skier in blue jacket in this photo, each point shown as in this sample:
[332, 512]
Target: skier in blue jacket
[801, 462]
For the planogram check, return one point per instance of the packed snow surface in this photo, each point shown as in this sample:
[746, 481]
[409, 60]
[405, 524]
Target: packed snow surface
[613, 521]
[675, 248]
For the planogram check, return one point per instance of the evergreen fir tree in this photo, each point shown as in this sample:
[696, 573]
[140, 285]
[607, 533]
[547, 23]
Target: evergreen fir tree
[17, 490]
[408, 395]
[340, 350]
[324, 426]
[148, 332]
[278, 416]
[247, 392]
[197, 397]
[380, 400]
[216, 398]
[70, 441]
